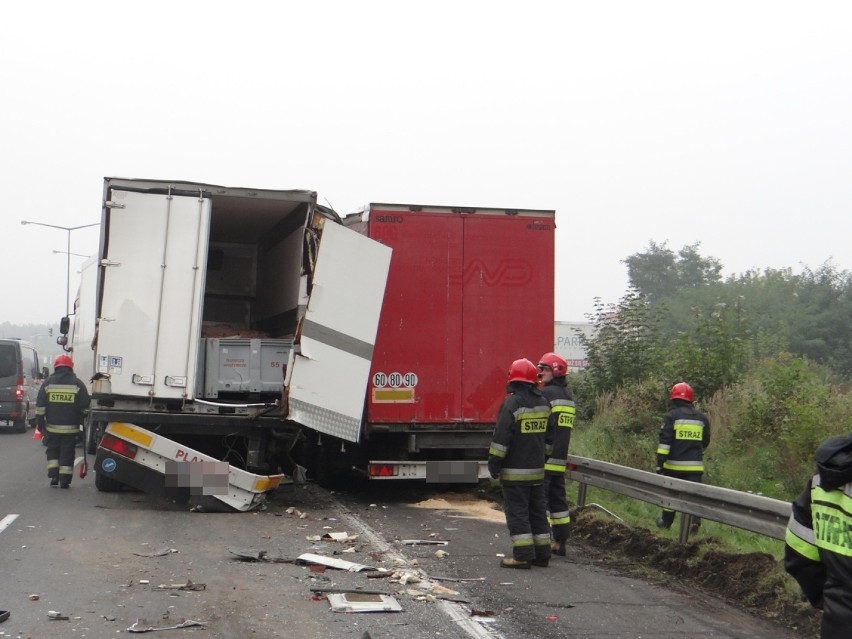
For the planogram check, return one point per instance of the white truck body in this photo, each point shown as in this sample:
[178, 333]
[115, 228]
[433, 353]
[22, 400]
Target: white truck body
[184, 267]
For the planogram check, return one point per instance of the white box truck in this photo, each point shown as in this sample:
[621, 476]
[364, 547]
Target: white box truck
[215, 323]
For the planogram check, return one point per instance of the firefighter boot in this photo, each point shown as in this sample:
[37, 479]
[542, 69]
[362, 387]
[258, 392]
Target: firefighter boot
[510, 562]
[558, 548]
[54, 482]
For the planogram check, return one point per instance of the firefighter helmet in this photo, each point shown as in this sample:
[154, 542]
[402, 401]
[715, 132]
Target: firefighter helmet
[682, 390]
[556, 363]
[63, 360]
[523, 370]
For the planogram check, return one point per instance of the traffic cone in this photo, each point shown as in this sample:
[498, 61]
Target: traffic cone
[37, 434]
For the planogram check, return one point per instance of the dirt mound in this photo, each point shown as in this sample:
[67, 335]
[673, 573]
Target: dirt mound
[754, 582]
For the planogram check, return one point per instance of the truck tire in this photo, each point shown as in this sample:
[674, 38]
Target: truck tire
[106, 484]
[19, 425]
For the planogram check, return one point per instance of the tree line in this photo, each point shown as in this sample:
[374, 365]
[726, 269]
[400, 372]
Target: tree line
[770, 351]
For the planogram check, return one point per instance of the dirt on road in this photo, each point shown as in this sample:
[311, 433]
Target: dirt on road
[754, 582]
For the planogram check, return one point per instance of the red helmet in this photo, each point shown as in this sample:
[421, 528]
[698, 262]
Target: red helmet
[682, 390]
[63, 360]
[523, 370]
[558, 365]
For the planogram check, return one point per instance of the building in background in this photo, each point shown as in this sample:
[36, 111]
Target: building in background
[567, 343]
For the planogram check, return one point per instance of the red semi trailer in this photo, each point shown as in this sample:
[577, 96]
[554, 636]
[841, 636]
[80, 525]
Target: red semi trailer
[469, 290]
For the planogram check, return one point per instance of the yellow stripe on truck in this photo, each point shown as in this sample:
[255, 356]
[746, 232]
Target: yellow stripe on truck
[130, 433]
[262, 484]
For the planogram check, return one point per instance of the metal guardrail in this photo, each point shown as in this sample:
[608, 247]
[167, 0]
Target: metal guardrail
[755, 513]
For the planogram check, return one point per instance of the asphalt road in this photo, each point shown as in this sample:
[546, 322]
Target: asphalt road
[83, 554]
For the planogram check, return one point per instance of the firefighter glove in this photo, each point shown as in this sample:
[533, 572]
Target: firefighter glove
[493, 469]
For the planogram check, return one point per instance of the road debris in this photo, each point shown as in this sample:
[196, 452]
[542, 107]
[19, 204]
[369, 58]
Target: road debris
[55, 615]
[362, 602]
[423, 542]
[338, 536]
[406, 577]
[34, 597]
[440, 554]
[292, 510]
[156, 553]
[340, 564]
[185, 586]
[250, 554]
[143, 626]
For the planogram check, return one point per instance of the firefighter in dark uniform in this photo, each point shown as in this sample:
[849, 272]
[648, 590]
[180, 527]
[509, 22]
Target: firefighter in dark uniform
[61, 401]
[516, 456]
[818, 549]
[551, 372]
[684, 435]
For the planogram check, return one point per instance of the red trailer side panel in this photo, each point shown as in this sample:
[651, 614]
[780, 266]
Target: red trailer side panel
[507, 304]
[469, 291]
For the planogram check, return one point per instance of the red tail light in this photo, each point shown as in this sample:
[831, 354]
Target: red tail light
[382, 470]
[19, 391]
[118, 446]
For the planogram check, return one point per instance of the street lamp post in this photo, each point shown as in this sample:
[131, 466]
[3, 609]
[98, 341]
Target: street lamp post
[68, 230]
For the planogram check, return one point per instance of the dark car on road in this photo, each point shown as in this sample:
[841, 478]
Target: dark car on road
[20, 379]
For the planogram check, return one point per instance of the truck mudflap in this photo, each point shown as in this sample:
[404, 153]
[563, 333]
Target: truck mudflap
[136, 457]
[434, 472]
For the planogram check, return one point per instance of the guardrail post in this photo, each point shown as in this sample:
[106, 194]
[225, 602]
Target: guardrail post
[581, 494]
[685, 524]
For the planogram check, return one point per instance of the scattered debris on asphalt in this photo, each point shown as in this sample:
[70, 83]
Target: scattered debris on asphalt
[156, 553]
[249, 554]
[362, 602]
[185, 586]
[440, 554]
[423, 542]
[340, 564]
[143, 626]
[55, 615]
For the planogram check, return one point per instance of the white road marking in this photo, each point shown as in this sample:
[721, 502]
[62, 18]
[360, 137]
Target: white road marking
[7, 521]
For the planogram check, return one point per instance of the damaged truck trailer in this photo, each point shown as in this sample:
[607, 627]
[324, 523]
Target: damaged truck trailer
[469, 291]
[216, 325]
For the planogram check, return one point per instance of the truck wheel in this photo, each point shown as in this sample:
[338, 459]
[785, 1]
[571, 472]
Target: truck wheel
[107, 484]
[19, 425]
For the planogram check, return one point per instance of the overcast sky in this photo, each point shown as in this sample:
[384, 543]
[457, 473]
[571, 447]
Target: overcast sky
[724, 123]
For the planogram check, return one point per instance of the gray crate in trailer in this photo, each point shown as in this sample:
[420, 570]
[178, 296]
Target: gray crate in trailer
[242, 365]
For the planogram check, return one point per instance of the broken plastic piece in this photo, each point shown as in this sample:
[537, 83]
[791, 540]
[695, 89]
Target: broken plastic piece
[423, 542]
[362, 602]
[340, 564]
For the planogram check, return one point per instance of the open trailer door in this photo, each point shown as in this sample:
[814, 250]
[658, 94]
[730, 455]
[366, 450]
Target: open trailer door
[329, 375]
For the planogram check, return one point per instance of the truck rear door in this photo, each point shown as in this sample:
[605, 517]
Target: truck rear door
[151, 294]
[328, 378]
